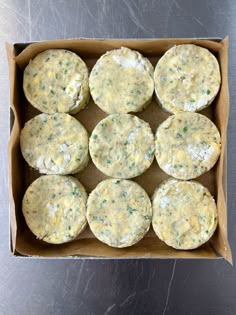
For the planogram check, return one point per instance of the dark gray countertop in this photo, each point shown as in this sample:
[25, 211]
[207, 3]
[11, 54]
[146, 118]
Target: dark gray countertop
[34, 286]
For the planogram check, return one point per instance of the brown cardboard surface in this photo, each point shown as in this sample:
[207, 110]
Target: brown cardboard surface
[21, 175]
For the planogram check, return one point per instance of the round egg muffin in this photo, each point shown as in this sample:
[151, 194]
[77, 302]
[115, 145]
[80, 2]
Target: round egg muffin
[122, 146]
[56, 80]
[55, 144]
[54, 208]
[187, 78]
[184, 214]
[187, 145]
[119, 212]
[122, 81]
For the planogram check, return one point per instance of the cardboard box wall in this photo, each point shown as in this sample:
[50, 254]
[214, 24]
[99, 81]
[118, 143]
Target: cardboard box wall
[23, 242]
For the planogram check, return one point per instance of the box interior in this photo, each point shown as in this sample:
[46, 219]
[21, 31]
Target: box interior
[23, 242]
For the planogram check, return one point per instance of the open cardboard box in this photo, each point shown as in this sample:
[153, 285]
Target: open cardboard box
[23, 242]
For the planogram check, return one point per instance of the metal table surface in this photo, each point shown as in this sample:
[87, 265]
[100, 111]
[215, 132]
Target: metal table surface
[37, 286]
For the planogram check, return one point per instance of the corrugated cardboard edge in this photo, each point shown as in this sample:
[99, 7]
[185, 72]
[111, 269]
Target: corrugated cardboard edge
[12, 68]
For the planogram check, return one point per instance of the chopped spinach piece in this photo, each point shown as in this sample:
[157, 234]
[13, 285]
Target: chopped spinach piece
[131, 210]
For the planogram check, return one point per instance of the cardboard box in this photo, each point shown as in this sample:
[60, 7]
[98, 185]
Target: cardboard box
[23, 242]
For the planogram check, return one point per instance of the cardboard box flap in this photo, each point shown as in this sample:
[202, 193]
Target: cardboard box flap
[146, 248]
[12, 145]
[147, 47]
[221, 245]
